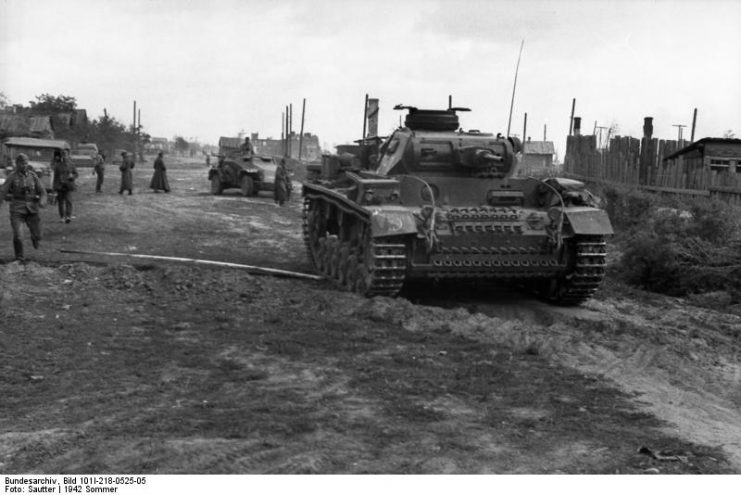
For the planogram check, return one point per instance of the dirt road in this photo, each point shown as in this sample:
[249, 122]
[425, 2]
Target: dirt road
[140, 367]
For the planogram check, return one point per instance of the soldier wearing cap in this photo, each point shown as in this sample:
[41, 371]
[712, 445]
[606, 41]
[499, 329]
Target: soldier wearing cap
[26, 195]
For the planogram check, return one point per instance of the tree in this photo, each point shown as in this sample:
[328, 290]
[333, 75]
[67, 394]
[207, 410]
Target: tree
[3, 101]
[181, 144]
[53, 104]
[729, 134]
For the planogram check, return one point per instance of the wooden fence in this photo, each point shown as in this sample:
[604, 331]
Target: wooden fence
[640, 162]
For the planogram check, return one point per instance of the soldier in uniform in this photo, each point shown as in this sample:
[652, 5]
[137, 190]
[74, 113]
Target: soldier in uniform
[64, 183]
[283, 186]
[26, 195]
[247, 149]
[127, 176]
[99, 171]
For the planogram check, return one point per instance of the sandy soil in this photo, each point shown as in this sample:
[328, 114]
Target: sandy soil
[112, 365]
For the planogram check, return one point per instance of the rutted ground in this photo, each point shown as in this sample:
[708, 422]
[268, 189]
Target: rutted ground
[111, 367]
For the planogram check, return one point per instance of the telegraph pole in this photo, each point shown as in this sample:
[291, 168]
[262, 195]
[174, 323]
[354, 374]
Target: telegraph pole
[571, 121]
[301, 136]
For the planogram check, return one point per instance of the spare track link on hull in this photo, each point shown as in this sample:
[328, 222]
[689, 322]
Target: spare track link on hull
[587, 276]
[379, 270]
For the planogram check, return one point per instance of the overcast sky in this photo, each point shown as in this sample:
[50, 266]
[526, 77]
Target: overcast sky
[209, 68]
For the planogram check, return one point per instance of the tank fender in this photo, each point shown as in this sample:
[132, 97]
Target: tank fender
[588, 221]
[386, 222]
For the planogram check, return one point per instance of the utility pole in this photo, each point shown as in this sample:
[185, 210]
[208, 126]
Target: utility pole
[524, 129]
[679, 132]
[138, 135]
[301, 135]
[694, 121]
[365, 116]
[571, 121]
[282, 131]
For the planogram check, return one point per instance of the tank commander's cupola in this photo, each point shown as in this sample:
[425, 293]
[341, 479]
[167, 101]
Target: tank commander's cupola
[431, 120]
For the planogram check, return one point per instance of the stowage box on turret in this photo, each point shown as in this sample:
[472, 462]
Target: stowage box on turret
[437, 202]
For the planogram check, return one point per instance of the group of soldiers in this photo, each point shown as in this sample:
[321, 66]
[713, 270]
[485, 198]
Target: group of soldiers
[26, 194]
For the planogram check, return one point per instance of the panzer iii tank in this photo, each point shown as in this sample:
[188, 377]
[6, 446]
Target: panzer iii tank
[435, 202]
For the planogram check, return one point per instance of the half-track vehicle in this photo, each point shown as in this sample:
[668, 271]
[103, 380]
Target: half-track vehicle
[436, 202]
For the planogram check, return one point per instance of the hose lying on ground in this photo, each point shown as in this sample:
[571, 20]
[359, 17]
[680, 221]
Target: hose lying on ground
[258, 270]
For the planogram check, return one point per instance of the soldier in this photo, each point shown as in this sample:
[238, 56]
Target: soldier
[159, 179]
[283, 186]
[127, 176]
[64, 183]
[99, 171]
[26, 195]
[247, 149]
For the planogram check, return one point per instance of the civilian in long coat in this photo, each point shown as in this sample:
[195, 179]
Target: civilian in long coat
[283, 186]
[159, 179]
[127, 176]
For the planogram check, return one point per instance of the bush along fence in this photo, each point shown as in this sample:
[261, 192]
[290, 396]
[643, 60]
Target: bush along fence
[709, 167]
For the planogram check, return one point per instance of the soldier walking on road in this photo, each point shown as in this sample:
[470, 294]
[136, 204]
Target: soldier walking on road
[99, 171]
[283, 186]
[26, 195]
[127, 176]
[64, 184]
[159, 179]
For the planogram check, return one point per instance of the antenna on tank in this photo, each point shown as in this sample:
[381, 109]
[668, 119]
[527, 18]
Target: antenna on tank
[514, 87]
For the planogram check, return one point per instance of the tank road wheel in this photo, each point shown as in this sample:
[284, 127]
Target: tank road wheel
[216, 186]
[247, 185]
[589, 262]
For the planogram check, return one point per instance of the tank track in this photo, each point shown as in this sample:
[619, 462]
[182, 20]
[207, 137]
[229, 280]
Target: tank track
[586, 276]
[379, 270]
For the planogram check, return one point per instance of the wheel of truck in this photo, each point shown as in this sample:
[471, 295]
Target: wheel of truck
[247, 185]
[216, 186]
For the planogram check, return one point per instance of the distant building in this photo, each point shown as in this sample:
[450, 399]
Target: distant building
[20, 122]
[537, 155]
[714, 154]
[311, 152]
[158, 144]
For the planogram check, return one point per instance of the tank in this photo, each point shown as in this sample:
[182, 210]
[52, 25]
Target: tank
[434, 202]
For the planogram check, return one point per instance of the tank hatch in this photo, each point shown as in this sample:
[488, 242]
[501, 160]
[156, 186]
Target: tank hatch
[431, 120]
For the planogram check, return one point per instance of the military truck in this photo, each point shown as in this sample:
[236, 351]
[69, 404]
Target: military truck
[436, 202]
[40, 153]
